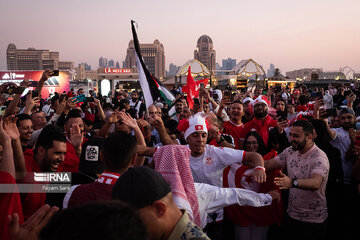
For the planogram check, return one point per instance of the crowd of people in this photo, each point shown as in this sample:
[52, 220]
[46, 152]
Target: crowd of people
[263, 163]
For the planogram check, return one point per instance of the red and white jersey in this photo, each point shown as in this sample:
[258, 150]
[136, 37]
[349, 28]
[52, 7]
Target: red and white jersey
[208, 168]
[234, 130]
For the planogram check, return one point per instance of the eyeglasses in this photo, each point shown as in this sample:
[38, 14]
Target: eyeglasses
[251, 143]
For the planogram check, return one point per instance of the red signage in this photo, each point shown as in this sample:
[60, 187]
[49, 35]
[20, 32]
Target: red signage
[54, 84]
[117, 70]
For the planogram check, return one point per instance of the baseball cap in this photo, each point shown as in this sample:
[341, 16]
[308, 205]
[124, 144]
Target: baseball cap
[346, 110]
[140, 187]
[90, 156]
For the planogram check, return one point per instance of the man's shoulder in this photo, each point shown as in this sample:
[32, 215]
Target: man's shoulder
[186, 229]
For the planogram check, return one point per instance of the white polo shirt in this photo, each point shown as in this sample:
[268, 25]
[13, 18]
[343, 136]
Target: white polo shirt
[208, 168]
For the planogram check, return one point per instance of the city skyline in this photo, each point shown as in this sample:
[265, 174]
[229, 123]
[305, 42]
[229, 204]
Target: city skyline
[291, 35]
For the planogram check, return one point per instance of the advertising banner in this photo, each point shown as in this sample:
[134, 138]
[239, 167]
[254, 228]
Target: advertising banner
[54, 84]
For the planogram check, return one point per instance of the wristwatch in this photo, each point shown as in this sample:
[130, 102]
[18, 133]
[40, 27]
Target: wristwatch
[221, 140]
[295, 183]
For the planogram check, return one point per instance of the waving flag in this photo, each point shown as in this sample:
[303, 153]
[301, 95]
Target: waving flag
[151, 87]
[197, 86]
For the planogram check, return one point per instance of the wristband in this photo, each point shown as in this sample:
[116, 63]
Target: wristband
[260, 168]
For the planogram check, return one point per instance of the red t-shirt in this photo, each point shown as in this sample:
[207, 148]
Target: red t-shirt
[9, 204]
[262, 127]
[234, 130]
[31, 202]
[72, 161]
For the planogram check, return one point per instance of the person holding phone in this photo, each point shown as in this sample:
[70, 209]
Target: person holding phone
[342, 139]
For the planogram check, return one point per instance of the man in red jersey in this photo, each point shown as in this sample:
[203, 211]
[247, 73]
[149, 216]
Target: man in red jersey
[261, 123]
[49, 152]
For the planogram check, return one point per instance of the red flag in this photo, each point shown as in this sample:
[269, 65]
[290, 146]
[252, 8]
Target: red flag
[191, 89]
[197, 88]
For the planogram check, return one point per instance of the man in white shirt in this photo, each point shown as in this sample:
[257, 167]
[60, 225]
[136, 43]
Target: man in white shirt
[208, 162]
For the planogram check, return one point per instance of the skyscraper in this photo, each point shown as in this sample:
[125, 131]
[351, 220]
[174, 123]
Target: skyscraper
[117, 64]
[111, 63]
[172, 69]
[228, 64]
[153, 55]
[103, 63]
[205, 52]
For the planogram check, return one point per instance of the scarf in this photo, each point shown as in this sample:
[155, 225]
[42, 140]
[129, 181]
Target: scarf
[173, 162]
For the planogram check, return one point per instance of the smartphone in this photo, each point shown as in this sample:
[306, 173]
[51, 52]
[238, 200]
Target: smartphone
[35, 93]
[90, 99]
[55, 73]
[202, 85]
[281, 114]
[332, 112]
[81, 98]
[13, 89]
[33, 84]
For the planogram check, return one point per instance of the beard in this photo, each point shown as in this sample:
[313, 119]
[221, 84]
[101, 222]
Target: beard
[298, 146]
[260, 114]
[134, 99]
[347, 126]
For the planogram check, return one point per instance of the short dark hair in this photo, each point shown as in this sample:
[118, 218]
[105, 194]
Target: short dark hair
[21, 117]
[49, 134]
[73, 113]
[307, 126]
[237, 101]
[119, 148]
[100, 220]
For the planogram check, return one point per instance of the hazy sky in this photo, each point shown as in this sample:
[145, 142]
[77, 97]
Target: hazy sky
[291, 34]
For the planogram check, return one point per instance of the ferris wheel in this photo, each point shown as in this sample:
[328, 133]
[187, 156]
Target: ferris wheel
[348, 72]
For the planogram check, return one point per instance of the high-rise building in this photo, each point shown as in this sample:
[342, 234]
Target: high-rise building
[271, 71]
[153, 55]
[228, 64]
[111, 63]
[31, 59]
[205, 52]
[172, 69]
[103, 63]
[117, 64]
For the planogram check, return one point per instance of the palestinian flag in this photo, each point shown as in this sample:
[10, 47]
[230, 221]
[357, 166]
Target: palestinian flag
[151, 87]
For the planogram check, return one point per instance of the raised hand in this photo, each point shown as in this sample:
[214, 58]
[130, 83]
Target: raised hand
[60, 106]
[113, 118]
[30, 101]
[76, 136]
[10, 127]
[46, 75]
[30, 229]
[25, 83]
[281, 124]
[4, 138]
[128, 120]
